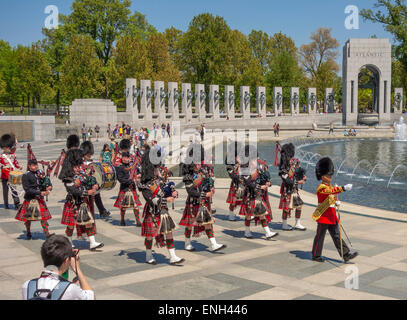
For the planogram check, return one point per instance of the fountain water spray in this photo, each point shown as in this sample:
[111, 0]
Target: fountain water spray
[400, 130]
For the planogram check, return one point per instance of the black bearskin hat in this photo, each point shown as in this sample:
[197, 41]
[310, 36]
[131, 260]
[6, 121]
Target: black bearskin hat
[32, 162]
[324, 166]
[87, 148]
[287, 152]
[125, 144]
[72, 141]
[195, 155]
[74, 157]
[7, 140]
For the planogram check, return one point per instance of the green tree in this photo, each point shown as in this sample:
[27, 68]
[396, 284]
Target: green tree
[173, 35]
[318, 60]
[34, 72]
[261, 46]
[158, 54]
[81, 70]
[9, 73]
[203, 49]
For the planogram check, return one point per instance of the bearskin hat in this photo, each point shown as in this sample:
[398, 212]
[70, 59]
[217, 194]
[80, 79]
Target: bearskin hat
[125, 144]
[74, 157]
[7, 140]
[287, 152]
[324, 166]
[87, 148]
[32, 162]
[72, 141]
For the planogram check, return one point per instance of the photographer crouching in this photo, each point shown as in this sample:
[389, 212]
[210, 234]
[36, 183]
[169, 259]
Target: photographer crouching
[58, 255]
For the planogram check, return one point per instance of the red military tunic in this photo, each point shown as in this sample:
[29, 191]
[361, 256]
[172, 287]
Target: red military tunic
[323, 191]
[6, 166]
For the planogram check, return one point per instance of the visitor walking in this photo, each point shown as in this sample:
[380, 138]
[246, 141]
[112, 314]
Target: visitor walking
[168, 130]
[331, 128]
[97, 130]
[84, 132]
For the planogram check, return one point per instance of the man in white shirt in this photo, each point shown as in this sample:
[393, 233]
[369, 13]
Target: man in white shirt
[57, 255]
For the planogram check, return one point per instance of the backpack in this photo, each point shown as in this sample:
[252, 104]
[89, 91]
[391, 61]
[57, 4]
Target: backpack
[33, 293]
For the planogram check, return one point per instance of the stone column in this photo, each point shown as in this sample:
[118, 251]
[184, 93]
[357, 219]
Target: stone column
[214, 98]
[329, 100]
[230, 102]
[200, 101]
[245, 101]
[159, 100]
[261, 101]
[173, 95]
[186, 97]
[278, 100]
[398, 100]
[146, 94]
[132, 93]
[312, 101]
[295, 100]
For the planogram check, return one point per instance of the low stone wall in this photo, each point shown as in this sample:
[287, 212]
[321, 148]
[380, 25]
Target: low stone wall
[43, 126]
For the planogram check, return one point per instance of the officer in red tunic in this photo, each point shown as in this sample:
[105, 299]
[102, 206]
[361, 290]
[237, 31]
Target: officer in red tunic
[325, 214]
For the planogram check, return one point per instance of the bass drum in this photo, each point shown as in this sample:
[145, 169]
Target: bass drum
[105, 175]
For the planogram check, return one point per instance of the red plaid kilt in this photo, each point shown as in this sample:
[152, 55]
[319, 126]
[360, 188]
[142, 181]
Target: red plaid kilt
[285, 202]
[45, 214]
[120, 198]
[189, 216]
[248, 206]
[231, 199]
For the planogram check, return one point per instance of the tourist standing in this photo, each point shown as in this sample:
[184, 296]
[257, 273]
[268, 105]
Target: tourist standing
[109, 131]
[155, 130]
[163, 130]
[97, 130]
[278, 129]
[84, 132]
[168, 130]
[331, 128]
[106, 155]
[275, 129]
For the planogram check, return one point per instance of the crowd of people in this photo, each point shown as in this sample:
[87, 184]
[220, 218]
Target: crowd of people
[143, 176]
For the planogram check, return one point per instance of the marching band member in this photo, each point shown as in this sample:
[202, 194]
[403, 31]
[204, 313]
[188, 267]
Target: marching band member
[255, 203]
[326, 212]
[124, 146]
[157, 222]
[8, 161]
[36, 186]
[236, 188]
[200, 189]
[79, 186]
[88, 152]
[128, 197]
[291, 175]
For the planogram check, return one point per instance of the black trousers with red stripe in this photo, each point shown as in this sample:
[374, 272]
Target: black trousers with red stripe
[320, 237]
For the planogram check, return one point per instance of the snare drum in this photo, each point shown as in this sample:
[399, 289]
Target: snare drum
[105, 175]
[16, 177]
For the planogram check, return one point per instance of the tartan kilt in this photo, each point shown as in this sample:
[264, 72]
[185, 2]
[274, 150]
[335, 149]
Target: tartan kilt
[45, 214]
[231, 199]
[248, 206]
[69, 214]
[189, 217]
[150, 226]
[285, 202]
[120, 198]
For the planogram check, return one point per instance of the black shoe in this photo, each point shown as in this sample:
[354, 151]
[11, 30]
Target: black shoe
[29, 236]
[350, 256]
[122, 223]
[318, 259]
[6, 207]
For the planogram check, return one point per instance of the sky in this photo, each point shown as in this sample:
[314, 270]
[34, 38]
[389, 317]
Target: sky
[21, 21]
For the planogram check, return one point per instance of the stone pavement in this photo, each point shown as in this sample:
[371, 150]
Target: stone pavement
[247, 269]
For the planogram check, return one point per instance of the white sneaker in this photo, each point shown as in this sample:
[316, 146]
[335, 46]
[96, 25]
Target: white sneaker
[216, 246]
[270, 234]
[232, 216]
[173, 257]
[93, 244]
[247, 233]
[149, 257]
[188, 245]
[286, 227]
[298, 226]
